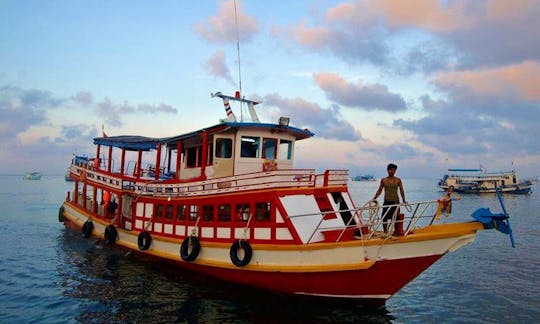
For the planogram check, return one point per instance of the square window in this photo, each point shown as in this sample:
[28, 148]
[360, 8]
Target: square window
[242, 212]
[224, 213]
[262, 212]
[285, 149]
[208, 212]
[269, 148]
[250, 147]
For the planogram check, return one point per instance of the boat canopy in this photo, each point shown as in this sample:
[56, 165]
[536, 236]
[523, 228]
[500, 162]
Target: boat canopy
[128, 142]
[296, 132]
[465, 170]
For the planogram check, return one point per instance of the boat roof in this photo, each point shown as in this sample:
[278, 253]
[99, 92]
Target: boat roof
[465, 170]
[135, 143]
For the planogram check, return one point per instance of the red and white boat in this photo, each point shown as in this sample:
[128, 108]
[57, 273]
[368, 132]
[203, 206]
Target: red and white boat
[226, 201]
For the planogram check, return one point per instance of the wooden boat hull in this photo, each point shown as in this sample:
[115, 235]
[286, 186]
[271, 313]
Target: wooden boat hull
[373, 270]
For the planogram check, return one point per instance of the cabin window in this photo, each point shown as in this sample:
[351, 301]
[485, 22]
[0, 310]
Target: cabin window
[242, 212]
[224, 148]
[285, 149]
[158, 212]
[250, 147]
[269, 148]
[208, 212]
[169, 211]
[181, 212]
[193, 212]
[262, 211]
[224, 213]
[191, 157]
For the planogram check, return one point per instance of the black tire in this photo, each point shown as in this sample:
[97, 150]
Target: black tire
[87, 228]
[144, 240]
[190, 248]
[248, 253]
[111, 234]
[61, 217]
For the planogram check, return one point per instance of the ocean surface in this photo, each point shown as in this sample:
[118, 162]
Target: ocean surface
[50, 274]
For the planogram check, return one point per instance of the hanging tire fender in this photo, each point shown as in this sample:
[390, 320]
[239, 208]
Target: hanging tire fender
[190, 248]
[144, 240]
[61, 217]
[248, 253]
[87, 228]
[111, 234]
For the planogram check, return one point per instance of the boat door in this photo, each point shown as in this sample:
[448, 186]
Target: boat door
[223, 156]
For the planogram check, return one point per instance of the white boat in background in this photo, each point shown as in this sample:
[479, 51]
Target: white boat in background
[33, 176]
[365, 177]
[480, 181]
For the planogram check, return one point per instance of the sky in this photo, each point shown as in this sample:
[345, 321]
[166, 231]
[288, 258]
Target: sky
[426, 84]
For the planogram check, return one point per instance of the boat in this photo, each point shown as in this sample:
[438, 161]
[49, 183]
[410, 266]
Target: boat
[226, 201]
[68, 177]
[480, 181]
[366, 177]
[33, 176]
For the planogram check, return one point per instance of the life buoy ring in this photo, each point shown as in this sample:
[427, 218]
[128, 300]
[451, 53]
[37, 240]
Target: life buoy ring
[87, 228]
[111, 234]
[144, 240]
[190, 248]
[248, 253]
[61, 217]
[269, 165]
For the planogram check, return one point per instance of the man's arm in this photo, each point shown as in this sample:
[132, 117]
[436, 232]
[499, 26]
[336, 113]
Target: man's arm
[379, 190]
[402, 192]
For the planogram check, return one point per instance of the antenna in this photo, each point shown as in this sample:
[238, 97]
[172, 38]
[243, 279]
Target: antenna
[238, 52]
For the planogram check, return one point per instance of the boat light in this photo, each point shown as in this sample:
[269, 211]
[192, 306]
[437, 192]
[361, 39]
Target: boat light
[284, 121]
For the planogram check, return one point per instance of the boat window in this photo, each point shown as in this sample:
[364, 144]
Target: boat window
[224, 213]
[180, 212]
[224, 148]
[285, 149]
[158, 212]
[208, 212]
[169, 211]
[193, 212]
[269, 148]
[191, 157]
[242, 212]
[250, 146]
[262, 211]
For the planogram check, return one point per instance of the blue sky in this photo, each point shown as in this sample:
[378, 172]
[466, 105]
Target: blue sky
[424, 84]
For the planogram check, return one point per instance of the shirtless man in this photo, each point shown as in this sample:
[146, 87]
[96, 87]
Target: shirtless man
[390, 185]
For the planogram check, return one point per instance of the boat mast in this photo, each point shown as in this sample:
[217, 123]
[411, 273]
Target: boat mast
[238, 53]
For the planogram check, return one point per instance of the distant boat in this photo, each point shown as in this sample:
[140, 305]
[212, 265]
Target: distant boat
[68, 177]
[33, 176]
[480, 181]
[366, 177]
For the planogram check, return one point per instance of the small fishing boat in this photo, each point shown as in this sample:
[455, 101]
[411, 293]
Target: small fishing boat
[480, 181]
[33, 176]
[366, 177]
[226, 201]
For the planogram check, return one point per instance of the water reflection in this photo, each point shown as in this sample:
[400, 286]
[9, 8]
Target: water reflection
[111, 285]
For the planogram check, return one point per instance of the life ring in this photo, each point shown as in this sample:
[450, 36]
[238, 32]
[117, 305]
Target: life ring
[269, 165]
[190, 248]
[144, 240]
[87, 228]
[111, 234]
[248, 253]
[61, 217]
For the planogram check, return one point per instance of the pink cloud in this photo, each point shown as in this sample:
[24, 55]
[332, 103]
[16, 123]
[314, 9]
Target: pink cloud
[217, 66]
[363, 96]
[517, 81]
[221, 28]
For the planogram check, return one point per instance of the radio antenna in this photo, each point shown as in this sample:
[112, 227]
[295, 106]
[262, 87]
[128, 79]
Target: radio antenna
[238, 53]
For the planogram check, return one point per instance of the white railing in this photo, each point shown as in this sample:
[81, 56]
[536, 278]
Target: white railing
[249, 181]
[375, 220]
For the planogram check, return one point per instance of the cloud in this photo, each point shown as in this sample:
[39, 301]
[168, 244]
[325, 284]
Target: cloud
[423, 35]
[221, 28]
[326, 123]
[518, 81]
[361, 96]
[83, 97]
[217, 67]
[112, 112]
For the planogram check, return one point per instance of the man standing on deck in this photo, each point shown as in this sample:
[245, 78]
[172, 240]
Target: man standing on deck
[390, 185]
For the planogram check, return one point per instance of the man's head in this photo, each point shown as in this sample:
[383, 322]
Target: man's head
[391, 168]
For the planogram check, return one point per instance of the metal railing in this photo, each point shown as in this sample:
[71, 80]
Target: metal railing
[373, 219]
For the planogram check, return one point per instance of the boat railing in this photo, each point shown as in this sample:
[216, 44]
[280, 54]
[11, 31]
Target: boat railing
[369, 221]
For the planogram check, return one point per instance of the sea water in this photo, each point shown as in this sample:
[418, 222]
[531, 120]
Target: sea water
[50, 274]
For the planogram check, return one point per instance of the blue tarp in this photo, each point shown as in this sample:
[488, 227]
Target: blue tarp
[128, 142]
